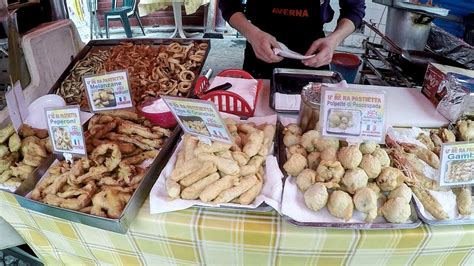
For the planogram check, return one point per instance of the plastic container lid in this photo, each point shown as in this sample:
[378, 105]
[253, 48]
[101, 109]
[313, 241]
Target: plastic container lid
[346, 60]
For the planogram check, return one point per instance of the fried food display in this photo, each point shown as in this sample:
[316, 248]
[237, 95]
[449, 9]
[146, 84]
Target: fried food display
[102, 183]
[341, 176]
[411, 160]
[167, 69]
[220, 172]
[21, 153]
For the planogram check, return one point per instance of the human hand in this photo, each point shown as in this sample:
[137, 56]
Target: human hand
[324, 49]
[263, 44]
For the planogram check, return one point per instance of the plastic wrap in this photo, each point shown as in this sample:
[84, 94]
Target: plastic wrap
[457, 93]
[447, 45]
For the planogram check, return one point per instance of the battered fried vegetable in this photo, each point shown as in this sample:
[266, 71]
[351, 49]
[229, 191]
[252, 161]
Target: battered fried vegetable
[350, 156]
[365, 200]
[396, 210]
[4, 150]
[254, 143]
[5, 133]
[14, 142]
[295, 164]
[192, 192]
[340, 205]
[305, 179]
[316, 197]
[354, 179]
[214, 189]
[229, 194]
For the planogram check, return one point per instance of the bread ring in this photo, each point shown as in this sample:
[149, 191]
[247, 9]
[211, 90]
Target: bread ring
[186, 75]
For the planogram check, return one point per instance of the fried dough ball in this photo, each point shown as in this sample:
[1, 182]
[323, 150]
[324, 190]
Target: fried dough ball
[390, 178]
[295, 164]
[368, 147]
[316, 197]
[293, 129]
[371, 166]
[403, 191]
[290, 140]
[382, 156]
[329, 154]
[323, 143]
[314, 159]
[296, 149]
[372, 185]
[396, 210]
[354, 179]
[365, 200]
[330, 171]
[307, 139]
[4, 150]
[340, 205]
[305, 179]
[350, 156]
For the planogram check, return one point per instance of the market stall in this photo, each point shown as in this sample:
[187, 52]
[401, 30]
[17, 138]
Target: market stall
[137, 156]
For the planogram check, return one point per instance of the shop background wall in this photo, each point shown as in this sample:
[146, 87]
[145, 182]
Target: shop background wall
[459, 8]
[159, 18]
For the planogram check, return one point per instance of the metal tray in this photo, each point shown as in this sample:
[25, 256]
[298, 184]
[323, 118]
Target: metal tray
[291, 82]
[119, 225]
[341, 225]
[365, 226]
[105, 44]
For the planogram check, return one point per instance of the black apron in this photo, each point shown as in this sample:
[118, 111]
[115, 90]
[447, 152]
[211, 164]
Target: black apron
[295, 23]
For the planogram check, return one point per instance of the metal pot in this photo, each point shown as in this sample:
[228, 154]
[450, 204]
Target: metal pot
[407, 29]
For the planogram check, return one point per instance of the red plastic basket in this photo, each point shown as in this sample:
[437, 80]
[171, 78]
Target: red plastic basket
[222, 98]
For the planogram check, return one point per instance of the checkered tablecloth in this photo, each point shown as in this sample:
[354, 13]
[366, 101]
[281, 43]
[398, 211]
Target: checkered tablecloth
[146, 7]
[210, 236]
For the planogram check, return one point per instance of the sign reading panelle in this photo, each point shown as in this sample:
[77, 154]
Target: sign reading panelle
[199, 118]
[108, 91]
[353, 114]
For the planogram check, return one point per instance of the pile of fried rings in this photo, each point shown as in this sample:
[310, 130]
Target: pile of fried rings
[156, 70]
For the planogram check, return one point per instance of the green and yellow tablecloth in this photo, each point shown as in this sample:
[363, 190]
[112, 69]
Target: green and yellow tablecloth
[211, 236]
[146, 7]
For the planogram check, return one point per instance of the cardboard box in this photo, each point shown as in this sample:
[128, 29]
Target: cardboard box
[435, 74]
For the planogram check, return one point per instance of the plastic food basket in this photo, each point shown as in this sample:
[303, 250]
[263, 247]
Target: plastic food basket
[226, 101]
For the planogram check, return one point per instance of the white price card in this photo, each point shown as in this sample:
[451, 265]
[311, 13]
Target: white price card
[65, 129]
[108, 91]
[353, 114]
[199, 118]
[17, 108]
[457, 164]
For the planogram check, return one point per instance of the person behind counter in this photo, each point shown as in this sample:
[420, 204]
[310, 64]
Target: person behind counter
[296, 23]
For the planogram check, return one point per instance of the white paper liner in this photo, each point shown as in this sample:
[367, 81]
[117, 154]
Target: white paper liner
[9, 188]
[447, 199]
[271, 191]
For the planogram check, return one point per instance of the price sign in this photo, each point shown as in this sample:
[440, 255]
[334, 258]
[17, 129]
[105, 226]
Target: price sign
[199, 118]
[108, 91]
[457, 164]
[353, 114]
[65, 129]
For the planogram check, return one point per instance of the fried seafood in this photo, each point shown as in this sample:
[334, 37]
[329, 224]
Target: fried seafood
[430, 203]
[463, 200]
[316, 197]
[424, 154]
[340, 205]
[365, 200]
[396, 210]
